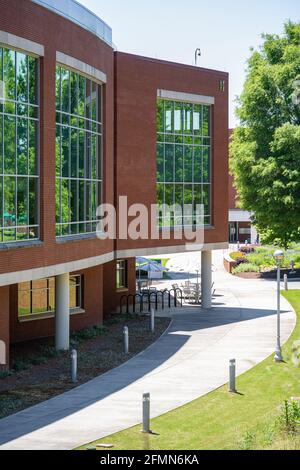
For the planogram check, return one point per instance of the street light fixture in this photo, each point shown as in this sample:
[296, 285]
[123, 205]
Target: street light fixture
[278, 255]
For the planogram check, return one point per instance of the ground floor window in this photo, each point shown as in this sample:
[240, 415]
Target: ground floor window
[38, 297]
[121, 273]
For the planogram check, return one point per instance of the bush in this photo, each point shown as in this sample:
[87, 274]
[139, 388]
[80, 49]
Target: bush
[289, 419]
[19, 366]
[89, 333]
[236, 255]
[245, 268]
[247, 249]
[261, 259]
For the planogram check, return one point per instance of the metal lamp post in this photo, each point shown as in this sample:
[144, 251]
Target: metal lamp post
[278, 255]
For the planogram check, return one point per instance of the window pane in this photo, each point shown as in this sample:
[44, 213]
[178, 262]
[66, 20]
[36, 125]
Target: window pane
[9, 145]
[169, 162]
[206, 164]
[22, 146]
[197, 164]
[9, 201]
[178, 118]
[169, 108]
[22, 73]
[188, 164]
[22, 201]
[10, 75]
[160, 116]
[32, 69]
[33, 210]
[179, 163]
[206, 121]
[160, 162]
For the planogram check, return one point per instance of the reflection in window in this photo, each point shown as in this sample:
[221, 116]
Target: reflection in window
[78, 153]
[38, 297]
[183, 159]
[121, 274]
[19, 120]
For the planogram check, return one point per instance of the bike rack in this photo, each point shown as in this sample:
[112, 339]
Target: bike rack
[151, 298]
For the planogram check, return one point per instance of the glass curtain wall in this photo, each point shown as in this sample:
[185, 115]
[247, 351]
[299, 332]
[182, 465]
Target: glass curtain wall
[78, 153]
[183, 160]
[19, 126]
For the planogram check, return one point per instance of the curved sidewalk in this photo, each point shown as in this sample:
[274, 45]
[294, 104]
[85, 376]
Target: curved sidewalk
[189, 360]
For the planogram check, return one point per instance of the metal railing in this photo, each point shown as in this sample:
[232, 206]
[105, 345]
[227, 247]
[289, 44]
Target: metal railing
[79, 14]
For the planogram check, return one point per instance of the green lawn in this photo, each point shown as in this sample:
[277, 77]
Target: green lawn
[221, 420]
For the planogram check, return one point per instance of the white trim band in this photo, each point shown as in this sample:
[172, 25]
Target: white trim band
[21, 44]
[165, 250]
[79, 66]
[55, 270]
[188, 97]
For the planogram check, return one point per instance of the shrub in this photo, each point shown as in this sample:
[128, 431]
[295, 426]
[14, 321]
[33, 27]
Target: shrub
[245, 268]
[89, 333]
[236, 255]
[289, 419]
[261, 259]
[247, 249]
[19, 366]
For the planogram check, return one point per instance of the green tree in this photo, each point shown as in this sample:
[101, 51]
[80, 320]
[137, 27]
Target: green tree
[265, 149]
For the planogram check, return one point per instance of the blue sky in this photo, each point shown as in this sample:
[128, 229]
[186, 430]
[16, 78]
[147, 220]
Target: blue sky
[173, 29]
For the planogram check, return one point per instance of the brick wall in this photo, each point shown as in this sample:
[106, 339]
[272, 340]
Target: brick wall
[112, 297]
[92, 303]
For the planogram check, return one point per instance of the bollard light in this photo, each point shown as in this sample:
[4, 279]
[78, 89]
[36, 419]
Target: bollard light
[152, 320]
[126, 339]
[232, 373]
[146, 413]
[278, 255]
[74, 366]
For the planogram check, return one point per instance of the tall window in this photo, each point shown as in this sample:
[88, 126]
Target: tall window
[78, 153]
[38, 297]
[121, 274]
[19, 120]
[183, 159]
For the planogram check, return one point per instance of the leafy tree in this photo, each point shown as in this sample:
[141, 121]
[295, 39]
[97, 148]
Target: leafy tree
[265, 149]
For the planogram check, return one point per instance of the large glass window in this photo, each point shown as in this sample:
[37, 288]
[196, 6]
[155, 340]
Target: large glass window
[38, 297]
[19, 125]
[78, 153]
[183, 159]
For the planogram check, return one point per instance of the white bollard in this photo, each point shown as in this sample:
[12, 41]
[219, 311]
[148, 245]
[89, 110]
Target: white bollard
[232, 372]
[146, 413]
[285, 279]
[74, 366]
[152, 320]
[126, 339]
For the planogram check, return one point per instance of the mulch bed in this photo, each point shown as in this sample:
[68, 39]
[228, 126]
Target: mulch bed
[39, 372]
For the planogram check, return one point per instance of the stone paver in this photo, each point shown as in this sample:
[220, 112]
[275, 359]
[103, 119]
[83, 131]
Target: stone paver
[189, 360]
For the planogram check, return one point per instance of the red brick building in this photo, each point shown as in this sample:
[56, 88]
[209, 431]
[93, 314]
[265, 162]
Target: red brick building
[81, 125]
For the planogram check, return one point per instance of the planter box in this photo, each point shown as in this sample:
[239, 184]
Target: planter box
[229, 263]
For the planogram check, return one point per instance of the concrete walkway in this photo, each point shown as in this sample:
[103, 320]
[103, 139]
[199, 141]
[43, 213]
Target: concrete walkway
[189, 360]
